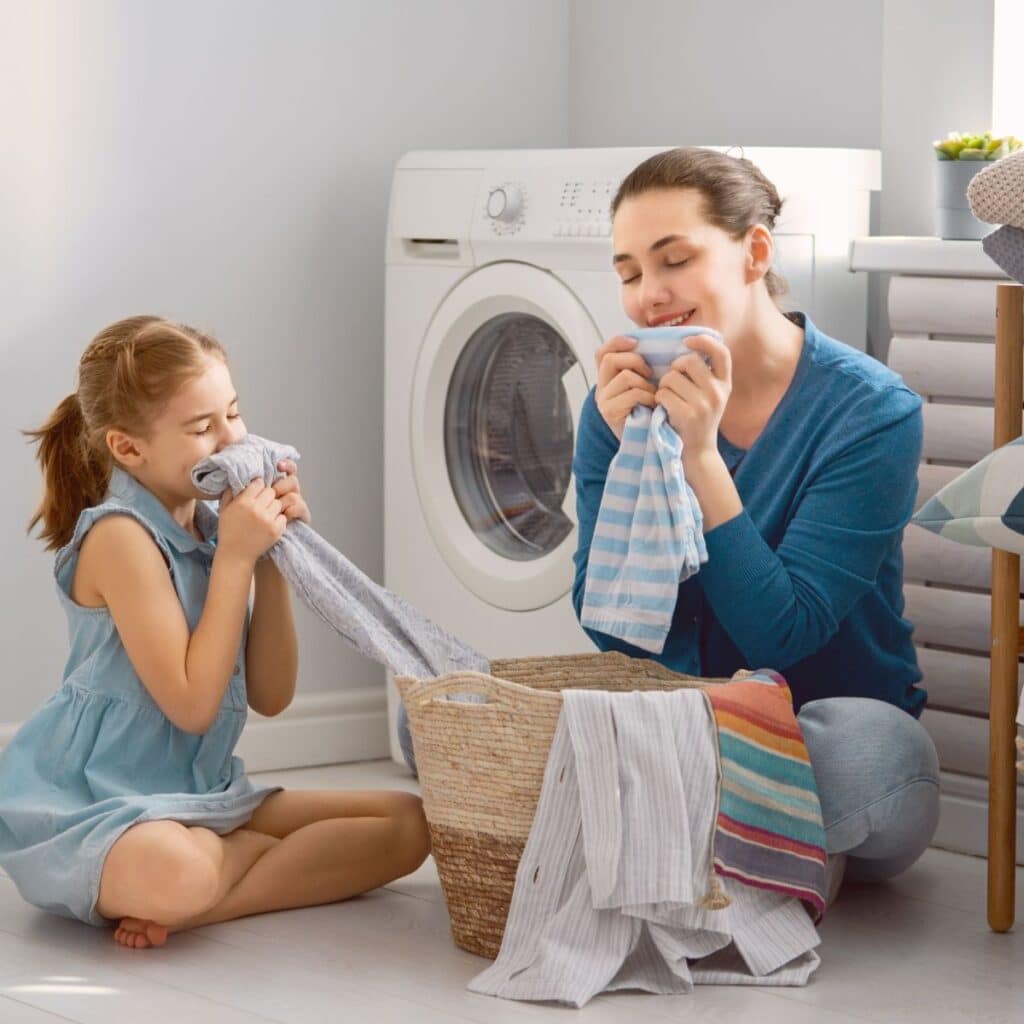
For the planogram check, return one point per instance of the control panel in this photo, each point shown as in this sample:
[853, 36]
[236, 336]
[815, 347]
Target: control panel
[549, 208]
[584, 208]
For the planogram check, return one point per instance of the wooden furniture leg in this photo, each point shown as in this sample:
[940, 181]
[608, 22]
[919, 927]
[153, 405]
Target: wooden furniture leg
[1006, 631]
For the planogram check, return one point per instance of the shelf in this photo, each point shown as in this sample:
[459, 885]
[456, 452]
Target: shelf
[931, 257]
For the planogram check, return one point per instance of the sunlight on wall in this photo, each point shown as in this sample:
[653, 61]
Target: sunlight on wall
[1008, 69]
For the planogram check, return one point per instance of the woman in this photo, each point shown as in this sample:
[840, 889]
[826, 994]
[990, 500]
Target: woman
[802, 453]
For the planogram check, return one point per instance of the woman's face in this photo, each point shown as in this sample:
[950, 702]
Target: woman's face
[675, 266]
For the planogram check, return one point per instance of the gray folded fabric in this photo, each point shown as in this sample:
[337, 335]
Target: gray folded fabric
[1005, 247]
[375, 621]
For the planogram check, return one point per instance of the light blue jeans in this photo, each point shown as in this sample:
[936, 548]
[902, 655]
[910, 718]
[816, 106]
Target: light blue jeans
[877, 773]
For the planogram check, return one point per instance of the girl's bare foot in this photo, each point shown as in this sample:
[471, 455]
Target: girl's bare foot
[140, 934]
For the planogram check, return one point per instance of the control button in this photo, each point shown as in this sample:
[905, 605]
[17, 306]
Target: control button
[504, 203]
[606, 229]
[574, 229]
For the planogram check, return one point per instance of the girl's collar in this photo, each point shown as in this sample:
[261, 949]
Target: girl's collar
[125, 487]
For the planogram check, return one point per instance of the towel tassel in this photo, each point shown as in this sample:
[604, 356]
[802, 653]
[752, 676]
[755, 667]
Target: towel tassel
[715, 898]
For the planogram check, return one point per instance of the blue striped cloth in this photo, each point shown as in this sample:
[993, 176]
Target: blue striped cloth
[649, 536]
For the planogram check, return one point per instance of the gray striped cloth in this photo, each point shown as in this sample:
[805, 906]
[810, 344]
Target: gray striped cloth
[609, 889]
[373, 620]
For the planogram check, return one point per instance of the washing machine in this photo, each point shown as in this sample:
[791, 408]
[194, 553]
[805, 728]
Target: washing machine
[499, 290]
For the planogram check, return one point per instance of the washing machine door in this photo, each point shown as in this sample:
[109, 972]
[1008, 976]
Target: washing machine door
[500, 380]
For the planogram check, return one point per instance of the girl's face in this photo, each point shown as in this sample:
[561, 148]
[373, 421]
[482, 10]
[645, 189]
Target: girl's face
[201, 419]
[676, 267]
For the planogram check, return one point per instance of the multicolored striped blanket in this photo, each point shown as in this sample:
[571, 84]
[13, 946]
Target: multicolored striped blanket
[769, 833]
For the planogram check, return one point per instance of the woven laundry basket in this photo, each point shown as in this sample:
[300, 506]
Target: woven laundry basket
[481, 766]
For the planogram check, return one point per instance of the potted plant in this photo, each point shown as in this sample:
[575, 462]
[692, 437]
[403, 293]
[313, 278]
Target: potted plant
[960, 157]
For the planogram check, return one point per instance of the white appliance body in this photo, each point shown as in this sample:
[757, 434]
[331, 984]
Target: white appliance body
[499, 289]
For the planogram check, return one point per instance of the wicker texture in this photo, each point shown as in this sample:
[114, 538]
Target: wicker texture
[996, 194]
[481, 767]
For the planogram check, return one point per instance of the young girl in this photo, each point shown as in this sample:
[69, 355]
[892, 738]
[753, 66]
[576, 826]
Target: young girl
[120, 799]
[802, 453]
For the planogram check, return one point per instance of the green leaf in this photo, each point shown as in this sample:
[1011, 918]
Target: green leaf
[971, 153]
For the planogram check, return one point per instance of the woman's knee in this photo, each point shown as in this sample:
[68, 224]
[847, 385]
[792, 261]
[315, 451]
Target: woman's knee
[159, 871]
[877, 774]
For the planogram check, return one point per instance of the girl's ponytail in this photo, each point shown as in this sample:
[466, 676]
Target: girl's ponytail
[74, 476]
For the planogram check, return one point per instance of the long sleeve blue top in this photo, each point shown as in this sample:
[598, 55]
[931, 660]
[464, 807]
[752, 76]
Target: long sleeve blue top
[808, 578]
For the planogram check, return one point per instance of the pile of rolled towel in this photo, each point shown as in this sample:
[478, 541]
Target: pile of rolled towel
[996, 196]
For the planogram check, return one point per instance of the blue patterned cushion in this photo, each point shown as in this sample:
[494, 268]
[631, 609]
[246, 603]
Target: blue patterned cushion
[984, 506]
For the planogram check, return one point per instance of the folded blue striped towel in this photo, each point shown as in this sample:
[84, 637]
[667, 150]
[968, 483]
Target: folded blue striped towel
[649, 531]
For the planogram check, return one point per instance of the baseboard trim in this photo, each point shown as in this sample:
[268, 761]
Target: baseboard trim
[317, 728]
[963, 816]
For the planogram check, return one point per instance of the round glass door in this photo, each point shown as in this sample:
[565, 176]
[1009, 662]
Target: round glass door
[497, 394]
[508, 433]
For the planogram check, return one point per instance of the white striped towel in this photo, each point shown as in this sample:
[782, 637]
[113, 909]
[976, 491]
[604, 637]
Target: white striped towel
[649, 534]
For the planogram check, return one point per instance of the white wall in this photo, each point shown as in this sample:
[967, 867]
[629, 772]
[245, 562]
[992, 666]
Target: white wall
[685, 72]
[881, 74]
[229, 164]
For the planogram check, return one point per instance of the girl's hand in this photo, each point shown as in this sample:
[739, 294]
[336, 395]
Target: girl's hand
[623, 382]
[251, 522]
[695, 395]
[287, 489]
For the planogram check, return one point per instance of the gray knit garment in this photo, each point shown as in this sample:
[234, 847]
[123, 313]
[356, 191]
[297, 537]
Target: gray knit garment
[996, 194]
[373, 620]
[1005, 247]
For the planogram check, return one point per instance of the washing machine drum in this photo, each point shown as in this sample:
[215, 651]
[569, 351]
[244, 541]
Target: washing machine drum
[508, 435]
[498, 393]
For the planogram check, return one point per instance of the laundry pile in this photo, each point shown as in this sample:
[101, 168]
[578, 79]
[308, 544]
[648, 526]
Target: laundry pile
[620, 884]
[996, 196]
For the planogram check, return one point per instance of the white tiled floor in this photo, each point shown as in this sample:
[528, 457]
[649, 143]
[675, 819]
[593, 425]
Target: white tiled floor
[917, 949]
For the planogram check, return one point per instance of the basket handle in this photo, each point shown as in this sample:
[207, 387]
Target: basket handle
[420, 692]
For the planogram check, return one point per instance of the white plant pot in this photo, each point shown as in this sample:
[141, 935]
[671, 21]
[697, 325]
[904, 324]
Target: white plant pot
[953, 217]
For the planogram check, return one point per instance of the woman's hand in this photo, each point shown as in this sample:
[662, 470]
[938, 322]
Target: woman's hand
[250, 522]
[623, 382]
[695, 394]
[293, 505]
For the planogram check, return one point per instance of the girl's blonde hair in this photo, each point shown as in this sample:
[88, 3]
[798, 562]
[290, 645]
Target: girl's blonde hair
[126, 375]
[736, 193]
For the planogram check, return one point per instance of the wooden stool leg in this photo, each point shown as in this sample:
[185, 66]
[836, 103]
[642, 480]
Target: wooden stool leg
[1002, 777]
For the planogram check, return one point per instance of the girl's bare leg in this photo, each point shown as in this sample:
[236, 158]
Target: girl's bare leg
[304, 848]
[161, 871]
[323, 856]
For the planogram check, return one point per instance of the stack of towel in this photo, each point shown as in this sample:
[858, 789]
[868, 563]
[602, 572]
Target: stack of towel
[649, 533]
[996, 196]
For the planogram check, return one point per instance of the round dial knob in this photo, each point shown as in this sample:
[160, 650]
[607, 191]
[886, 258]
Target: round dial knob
[504, 203]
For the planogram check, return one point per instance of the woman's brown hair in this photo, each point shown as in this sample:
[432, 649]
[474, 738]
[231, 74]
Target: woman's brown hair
[736, 194]
[125, 377]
